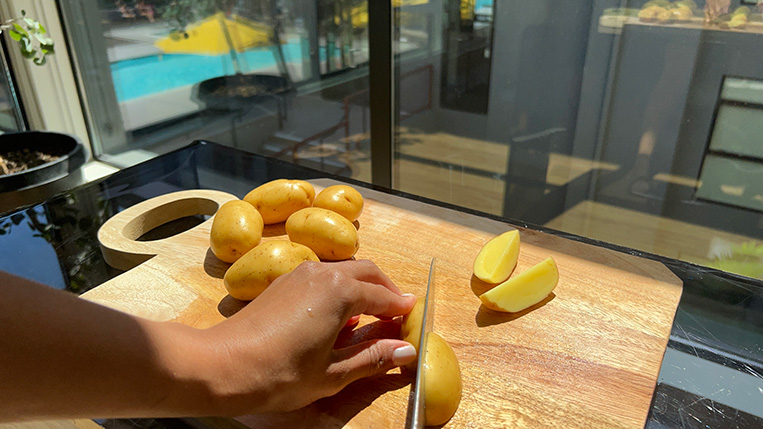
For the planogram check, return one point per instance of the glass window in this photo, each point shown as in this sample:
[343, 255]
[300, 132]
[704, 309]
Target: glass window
[632, 122]
[285, 79]
[629, 122]
[11, 118]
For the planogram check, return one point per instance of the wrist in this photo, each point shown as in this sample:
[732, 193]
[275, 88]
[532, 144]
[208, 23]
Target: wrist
[215, 372]
[191, 366]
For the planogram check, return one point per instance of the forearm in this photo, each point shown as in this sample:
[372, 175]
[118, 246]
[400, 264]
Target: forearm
[65, 357]
[61, 356]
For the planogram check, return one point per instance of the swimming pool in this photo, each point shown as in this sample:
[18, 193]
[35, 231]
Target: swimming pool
[139, 77]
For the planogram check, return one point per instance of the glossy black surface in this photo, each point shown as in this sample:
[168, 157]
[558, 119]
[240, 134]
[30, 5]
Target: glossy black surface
[718, 325]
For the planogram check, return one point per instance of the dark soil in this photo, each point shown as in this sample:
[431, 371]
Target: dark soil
[244, 90]
[19, 160]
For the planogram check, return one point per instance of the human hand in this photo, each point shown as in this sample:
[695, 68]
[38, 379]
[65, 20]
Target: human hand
[280, 351]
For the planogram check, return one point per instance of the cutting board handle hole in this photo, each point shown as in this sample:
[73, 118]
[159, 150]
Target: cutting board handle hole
[170, 219]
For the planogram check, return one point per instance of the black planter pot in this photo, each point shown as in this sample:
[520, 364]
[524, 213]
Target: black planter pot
[242, 91]
[40, 182]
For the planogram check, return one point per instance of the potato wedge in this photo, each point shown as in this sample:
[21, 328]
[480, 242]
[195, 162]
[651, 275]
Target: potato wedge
[497, 258]
[524, 290]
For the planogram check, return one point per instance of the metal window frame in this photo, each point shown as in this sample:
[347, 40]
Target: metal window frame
[382, 76]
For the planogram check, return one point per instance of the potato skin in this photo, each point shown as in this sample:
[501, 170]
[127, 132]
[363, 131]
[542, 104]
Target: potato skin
[278, 199]
[442, 381]
[331, 236]
[342, 199]
[410, 330]
[254, 272]
[236, 229]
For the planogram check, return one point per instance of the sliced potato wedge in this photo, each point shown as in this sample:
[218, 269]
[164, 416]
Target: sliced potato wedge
[524, 290]
[498, 257]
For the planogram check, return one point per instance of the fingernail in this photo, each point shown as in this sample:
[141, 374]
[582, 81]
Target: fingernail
[407, 295]
[403, 355]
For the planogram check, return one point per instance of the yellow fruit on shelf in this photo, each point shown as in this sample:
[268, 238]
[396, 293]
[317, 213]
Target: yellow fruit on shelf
[737, 21]
[649, 14]
[524, 290]
[665, 16]
[497, 258]
[682, 14]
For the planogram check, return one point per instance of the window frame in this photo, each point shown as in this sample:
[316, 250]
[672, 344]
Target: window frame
[49, 95]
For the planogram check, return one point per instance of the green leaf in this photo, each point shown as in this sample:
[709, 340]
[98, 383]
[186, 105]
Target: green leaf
[32, 24]
[15, 35]
[47, 49]
[26, 48]
[39, 60]
[20, 29]
[44, 40]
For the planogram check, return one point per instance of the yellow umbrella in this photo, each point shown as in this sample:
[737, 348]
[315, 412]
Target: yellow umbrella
[217, 35]
[359, 14]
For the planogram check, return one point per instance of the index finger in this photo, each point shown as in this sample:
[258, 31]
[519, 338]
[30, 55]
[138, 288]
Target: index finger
[376, 300]
[365, 270]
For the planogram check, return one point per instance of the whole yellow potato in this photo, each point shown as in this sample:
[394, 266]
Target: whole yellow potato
[278, 199]
[442, 381]
[257, 269]
[342, 199]
[236, 229]
[331, 236]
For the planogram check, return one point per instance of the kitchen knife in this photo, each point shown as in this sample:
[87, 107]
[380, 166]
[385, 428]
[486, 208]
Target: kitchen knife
[415, 419]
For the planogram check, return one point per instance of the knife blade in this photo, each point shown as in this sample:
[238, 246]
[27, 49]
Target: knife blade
[415, 419]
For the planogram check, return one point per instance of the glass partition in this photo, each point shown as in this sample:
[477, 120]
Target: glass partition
[276, 78]
[631, 122]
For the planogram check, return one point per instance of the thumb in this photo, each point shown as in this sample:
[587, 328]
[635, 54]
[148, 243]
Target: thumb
[370, 358]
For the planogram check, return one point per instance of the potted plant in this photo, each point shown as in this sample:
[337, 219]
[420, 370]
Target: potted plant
[29, 159]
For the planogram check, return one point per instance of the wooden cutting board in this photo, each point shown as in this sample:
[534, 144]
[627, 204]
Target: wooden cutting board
[588, 356]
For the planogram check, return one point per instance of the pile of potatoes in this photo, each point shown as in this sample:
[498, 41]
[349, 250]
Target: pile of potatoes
[318, 228]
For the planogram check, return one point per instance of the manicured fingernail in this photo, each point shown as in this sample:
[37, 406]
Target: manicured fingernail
[403, 355]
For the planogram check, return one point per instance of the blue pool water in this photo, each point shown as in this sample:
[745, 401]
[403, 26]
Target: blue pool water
[149, 75]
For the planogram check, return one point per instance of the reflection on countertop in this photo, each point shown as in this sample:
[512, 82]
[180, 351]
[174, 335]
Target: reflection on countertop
[710, 376]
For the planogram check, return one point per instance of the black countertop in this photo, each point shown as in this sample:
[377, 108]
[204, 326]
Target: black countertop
[711, 376]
